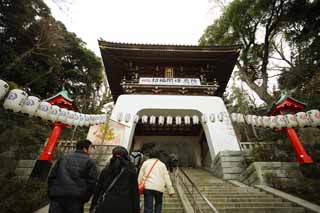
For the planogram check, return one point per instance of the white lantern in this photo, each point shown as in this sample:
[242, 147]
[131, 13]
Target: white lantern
[43, 110]
[136, 119]
[195, 119]
[92, 120]
[220, 116]
[273, 122]
[254, 120]
[314, 117]
[186, 120]
[161, 120]
[54, 113]
[178, 120]
[266, 121]
[70, 117]
[240, 118]
[234, 117]
[281, 121]
[4, 88]
[119, 116]
[204, 118]
[86, 120]
[169, 120]
[15, 100]
[248, 119]
[76, 119]
[259, 121]
[144, 119]
[291, 120]
[62, 117]
[303, 119]
[152, 119]
[31, 105]
[81, 120]
[127, 117]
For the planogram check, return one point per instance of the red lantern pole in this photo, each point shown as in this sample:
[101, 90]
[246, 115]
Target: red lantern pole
[301, 154]
[48, 151]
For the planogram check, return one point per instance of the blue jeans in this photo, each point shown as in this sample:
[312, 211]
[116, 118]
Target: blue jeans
[148, 201]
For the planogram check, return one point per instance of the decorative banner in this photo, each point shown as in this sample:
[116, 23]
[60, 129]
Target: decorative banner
[111, 133]
[170, 81]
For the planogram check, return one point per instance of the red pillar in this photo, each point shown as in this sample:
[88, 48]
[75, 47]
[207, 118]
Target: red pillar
[48, 151]
[301, 154]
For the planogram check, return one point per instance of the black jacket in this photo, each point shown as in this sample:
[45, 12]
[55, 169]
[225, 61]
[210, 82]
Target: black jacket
[124, 195]
[74, 176]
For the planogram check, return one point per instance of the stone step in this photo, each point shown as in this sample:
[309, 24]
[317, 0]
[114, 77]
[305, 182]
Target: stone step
[244, 195]
[259, 210]
[220, 205]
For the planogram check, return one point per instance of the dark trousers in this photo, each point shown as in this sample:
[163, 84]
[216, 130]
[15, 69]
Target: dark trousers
[65, 206]
[148, 201]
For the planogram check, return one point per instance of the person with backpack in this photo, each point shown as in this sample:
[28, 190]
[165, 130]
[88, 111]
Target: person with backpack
[136, 158]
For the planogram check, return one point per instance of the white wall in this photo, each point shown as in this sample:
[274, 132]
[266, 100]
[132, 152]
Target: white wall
[220, 135]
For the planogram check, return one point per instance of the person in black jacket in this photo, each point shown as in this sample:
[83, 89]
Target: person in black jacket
[123, 197]
[72, 180]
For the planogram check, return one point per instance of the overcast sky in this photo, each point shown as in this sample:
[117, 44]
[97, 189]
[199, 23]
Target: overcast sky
[137, 21]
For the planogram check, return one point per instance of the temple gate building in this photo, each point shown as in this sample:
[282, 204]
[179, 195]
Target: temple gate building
[170, 95]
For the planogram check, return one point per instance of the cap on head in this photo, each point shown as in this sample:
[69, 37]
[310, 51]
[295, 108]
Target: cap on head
[85, 143]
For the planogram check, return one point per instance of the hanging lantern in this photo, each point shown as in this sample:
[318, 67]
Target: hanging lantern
[76, 119]
[81, 119]
[161, 120]
[204, 118]
[303, 119]
[291, 120]
[62, 117]
[43, 110]
[86, 120]
[248, 119]
[273, 122]
[15, 100]
[281, 121]
[169, 120]
[152, 119]
[144, 119]
[119, 116]
[54, 113]
[254, 120]
[240, 118]
[4, 88]
[31, 105]
[259, 121]
[234, 117]
[186, 120]
[70, 117]
[92, 120]
[220, 116]
[195, 120]
[127, 117]
[136, 119]
[266, 121]
[314, 117]
[178, 120]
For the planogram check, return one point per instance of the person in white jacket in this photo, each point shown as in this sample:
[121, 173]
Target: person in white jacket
[155, 183]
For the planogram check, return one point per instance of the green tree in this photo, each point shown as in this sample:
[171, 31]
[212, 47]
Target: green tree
[244, 22]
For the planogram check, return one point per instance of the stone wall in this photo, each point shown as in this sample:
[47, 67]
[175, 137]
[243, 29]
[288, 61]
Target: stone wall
[228, 165]
[261, 173]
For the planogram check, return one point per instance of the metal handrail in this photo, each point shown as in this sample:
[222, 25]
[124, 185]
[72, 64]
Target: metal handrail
[196, 205]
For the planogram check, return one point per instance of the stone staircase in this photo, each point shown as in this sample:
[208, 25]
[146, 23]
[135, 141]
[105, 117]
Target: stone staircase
[229, 198]
[170, 204]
